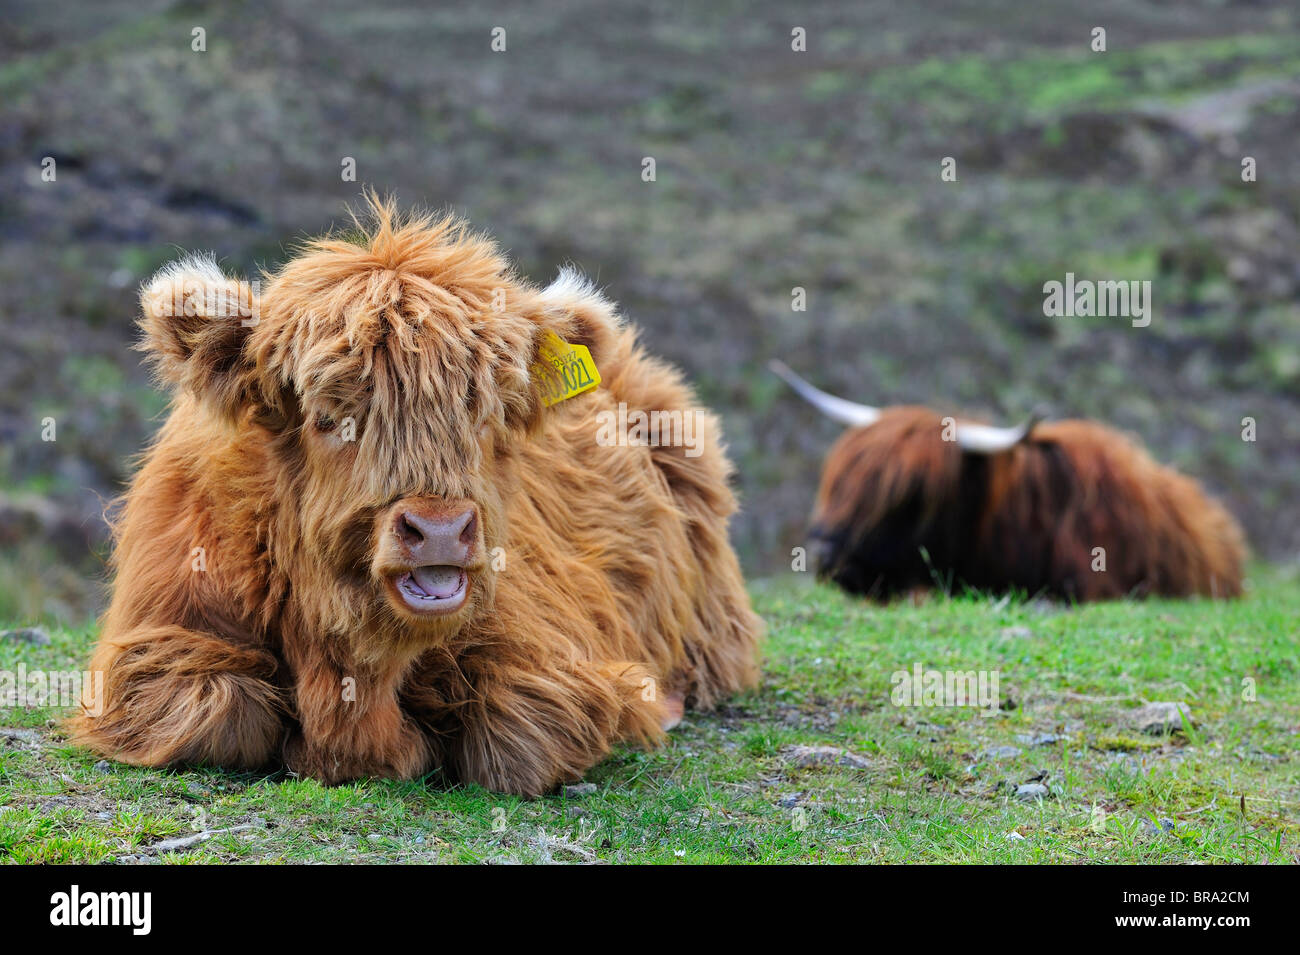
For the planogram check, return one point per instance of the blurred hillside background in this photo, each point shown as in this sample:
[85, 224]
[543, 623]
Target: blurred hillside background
[775, 169]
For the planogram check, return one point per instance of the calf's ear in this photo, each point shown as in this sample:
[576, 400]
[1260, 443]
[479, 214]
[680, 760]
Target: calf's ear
[196, 321]
[576, 311]
[571, 309]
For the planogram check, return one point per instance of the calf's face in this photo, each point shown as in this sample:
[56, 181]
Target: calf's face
[390, 380]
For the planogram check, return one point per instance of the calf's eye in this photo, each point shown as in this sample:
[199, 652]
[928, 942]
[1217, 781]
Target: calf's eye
[324, 423]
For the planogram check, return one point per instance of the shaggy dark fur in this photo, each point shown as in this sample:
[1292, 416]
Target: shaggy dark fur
[900, 508]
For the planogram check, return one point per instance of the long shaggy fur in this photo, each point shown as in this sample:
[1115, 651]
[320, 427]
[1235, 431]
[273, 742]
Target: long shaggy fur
[899, 508]
[249, 625]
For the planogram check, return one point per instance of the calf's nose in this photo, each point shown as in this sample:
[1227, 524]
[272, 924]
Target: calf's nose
[431, 540]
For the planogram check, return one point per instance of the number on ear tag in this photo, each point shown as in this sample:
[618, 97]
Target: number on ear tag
[563, 370]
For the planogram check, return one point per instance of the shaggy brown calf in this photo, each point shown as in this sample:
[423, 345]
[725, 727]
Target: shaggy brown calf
[909, 499]
[364, 545]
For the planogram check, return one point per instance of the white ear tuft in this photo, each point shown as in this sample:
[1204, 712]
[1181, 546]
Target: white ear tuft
[196, 287]
[572, 290]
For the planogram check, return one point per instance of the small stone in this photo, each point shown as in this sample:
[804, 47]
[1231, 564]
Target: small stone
[103, 766]
[1016, 633]
[1015, 836]
[21, 735]
[1255, 752]
[1165, 825]
[374, 837]
[789, 802]
[578, 790]
[1003, 752]
[35, 636]
[1160, 719]
[104, 815]
[1038, 739]
[806, 757]
[419, 840]
[1030, 792]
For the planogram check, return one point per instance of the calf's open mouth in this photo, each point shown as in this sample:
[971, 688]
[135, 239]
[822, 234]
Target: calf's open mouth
[433, 589]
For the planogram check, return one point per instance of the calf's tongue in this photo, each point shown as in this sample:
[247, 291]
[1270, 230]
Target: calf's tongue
[438, 581]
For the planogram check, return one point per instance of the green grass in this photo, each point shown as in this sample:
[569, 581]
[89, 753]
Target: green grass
[1044, 83]
[725, 788]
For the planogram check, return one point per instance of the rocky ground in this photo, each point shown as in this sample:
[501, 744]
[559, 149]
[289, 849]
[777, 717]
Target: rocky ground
[1149, 733]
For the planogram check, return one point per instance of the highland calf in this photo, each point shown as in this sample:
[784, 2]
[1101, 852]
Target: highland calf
[1070, 509]
[378, 536]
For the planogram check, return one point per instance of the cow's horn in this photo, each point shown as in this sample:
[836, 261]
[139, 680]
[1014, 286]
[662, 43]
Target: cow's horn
[985, 439]
[837, 409]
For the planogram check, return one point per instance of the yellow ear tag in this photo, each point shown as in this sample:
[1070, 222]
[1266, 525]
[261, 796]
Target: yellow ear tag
[563, 370]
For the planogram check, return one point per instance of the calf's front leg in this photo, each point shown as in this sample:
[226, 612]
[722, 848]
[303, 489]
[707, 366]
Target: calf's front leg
[352, 727]
[525, 730]
[163, 695]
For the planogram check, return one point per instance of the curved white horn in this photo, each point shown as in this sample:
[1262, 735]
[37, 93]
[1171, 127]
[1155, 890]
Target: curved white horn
[837, 409]
[985, 439]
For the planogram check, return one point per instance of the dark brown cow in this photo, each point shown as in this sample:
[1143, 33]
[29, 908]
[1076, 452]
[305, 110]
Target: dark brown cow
[910, 499]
